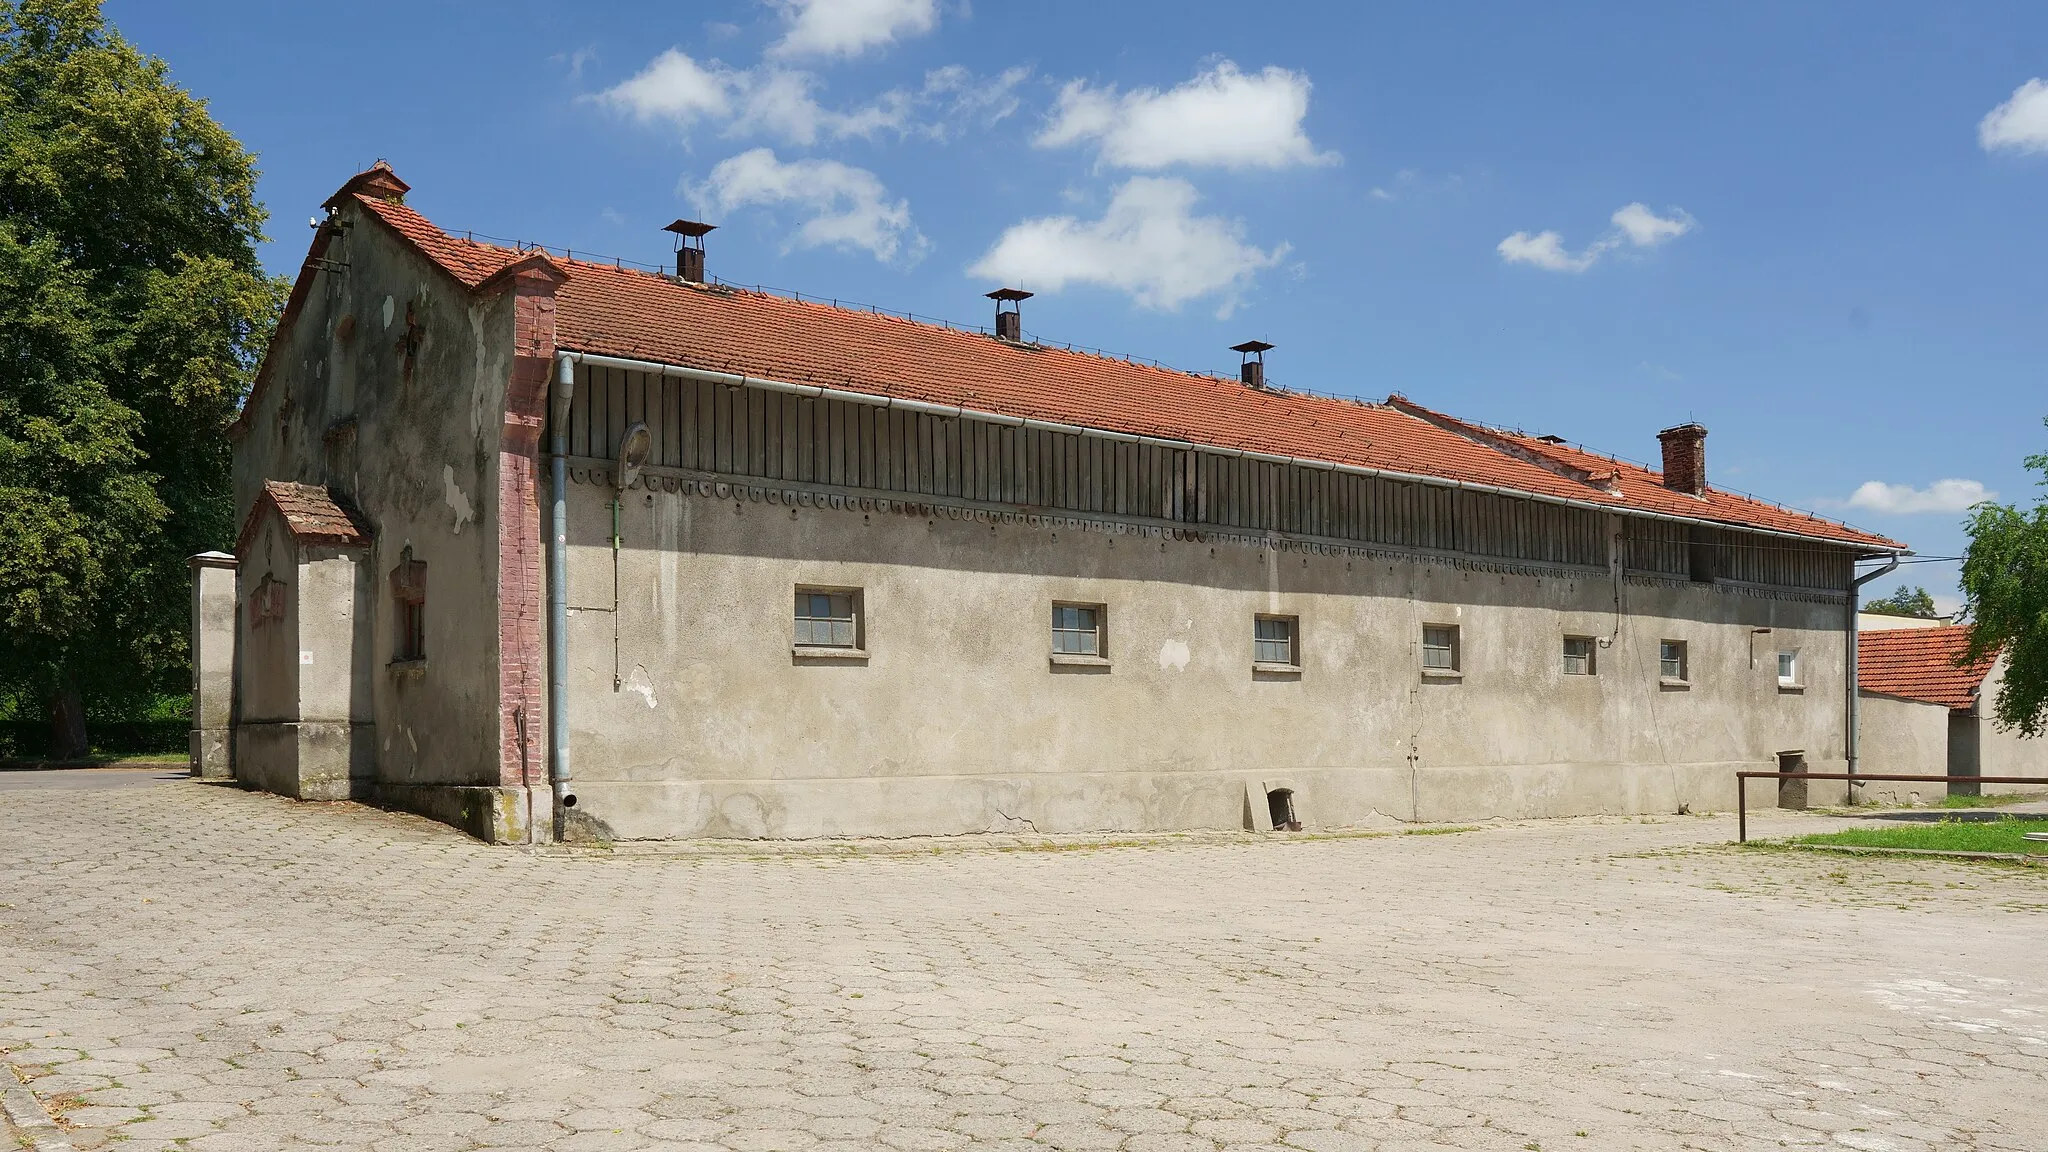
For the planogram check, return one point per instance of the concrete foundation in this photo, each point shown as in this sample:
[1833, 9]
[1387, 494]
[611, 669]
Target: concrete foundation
[307, 760]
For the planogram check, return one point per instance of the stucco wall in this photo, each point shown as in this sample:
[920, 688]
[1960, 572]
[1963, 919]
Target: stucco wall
[269, 664]
[214, 616]
[420, 365]
[2006, 752]
[1903, 737]
[958, 722]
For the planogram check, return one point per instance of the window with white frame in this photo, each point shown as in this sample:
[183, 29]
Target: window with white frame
[1788, 667]
[1273, 640]
[1077, 629]
[1578, 656]
[827, 618]
[1440, 648]
[1671, 660]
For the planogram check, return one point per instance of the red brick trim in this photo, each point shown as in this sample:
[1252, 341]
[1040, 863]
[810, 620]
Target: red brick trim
[522, 671]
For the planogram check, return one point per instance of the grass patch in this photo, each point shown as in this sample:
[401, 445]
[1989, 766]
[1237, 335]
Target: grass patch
[2004, 835]
[1441, 831]
[1998, 801]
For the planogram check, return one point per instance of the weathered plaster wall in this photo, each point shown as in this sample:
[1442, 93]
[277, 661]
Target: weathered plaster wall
[214, 618]
[390, 387]
[1902, 737]
[2006, 752]
[269, 665]
[958, 722]
[304, 727]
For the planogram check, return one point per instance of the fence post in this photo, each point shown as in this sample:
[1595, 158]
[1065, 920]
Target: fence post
[1741, 808]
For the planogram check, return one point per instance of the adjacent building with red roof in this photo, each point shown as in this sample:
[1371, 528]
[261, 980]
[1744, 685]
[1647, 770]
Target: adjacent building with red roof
[708, 561]
[1927, 708]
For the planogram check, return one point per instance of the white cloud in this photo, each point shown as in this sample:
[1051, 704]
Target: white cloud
[1646, 229]
[1545, 250]
[767, 101]
[1634, 225]
[675, 87]
[1904, 499]
[850, 27]
[843, 207]
[960, 98]
[2021, 123]
[779, 103]
[1222, 118]
[1149, 243]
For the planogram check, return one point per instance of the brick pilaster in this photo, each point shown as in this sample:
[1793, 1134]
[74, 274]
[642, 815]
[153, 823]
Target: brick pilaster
[522, 667]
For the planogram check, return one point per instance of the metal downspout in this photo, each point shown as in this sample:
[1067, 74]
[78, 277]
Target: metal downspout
[1855, 703]
[558, 594]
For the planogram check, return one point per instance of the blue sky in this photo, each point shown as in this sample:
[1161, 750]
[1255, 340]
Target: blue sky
[1817, 229]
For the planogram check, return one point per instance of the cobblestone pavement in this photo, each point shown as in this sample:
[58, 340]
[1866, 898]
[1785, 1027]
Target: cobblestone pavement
[190, 966]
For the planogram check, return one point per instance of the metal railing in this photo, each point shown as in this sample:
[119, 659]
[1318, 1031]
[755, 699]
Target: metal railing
[1742, 780]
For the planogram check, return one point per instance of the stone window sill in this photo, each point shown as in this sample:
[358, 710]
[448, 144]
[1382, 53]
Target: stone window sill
[1791, 689]
[819, 652]
[1077, 660]
[1442, 674]
[1674, 683]
[1274, 669]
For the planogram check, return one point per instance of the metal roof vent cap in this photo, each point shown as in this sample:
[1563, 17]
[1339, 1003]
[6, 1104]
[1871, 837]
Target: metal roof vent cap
[1253, 370]
[690, 248]
[1009, 323]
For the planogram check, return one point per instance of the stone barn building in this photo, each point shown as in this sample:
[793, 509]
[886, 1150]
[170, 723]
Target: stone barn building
[538, 545]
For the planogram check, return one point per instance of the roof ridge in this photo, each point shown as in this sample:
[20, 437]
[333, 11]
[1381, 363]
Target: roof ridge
[1607, 483]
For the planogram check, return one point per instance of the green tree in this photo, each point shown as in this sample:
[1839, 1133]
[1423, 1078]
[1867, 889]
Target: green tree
[1903, 603]
[133, 312]
[2005, 590]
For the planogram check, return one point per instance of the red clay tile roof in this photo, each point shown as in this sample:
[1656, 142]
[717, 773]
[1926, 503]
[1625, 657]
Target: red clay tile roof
[1920, 664]
[466, 260]
[310, 513]
[638, 315]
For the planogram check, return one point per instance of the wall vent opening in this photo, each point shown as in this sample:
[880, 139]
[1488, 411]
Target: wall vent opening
[1280, 806]
[1792, 793]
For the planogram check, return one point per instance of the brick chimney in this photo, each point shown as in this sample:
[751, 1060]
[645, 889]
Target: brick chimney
[1685, 459]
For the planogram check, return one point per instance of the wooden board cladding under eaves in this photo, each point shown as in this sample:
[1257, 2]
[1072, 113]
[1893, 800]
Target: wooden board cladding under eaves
[755, 433]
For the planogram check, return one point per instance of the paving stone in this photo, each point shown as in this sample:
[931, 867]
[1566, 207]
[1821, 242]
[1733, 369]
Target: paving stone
[330, 976]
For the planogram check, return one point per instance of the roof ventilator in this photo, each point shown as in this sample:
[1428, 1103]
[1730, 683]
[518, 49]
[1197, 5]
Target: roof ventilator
[690, 249]
[1009, 323]
[1253, 370]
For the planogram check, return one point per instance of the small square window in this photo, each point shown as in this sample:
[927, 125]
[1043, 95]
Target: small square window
[1077, 629]
[1273, 640]
[1578, 656]
[1671, 662]
[1788, 667]
[1440, 647]
[827, 618]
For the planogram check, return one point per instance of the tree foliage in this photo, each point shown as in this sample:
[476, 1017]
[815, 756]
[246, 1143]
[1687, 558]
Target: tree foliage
[132, 315]
[2005, 589]
[1917, 603]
